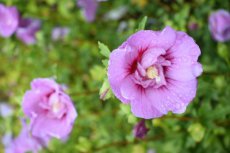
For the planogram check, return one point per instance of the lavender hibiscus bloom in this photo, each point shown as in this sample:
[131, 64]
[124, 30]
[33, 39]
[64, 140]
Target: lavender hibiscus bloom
[219, 25]
[155, 72]
[50, 109]
[27, 30]
[9, 17]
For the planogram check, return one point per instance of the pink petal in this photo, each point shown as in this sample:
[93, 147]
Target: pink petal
[184, 73]
[143, 107]
[43, 126]
[129, 90]
[44, 83]
[184, 46]
[142, 39]
[147, 39]
[166, 38]
[72, 114]
[117, 71]
[183, 56]
[149, 104]
[30, 103]
[174, 98]
[150, 56]
[179, 94]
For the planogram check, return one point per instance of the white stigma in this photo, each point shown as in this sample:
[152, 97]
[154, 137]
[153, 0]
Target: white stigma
[158, 79]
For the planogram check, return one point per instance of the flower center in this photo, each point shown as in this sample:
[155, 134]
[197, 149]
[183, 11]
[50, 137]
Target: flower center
[56, 106]
[151, 72]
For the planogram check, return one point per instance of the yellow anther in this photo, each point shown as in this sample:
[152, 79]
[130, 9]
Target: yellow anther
[151, 72]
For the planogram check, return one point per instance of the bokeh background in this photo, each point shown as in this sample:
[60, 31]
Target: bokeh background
[106, 126]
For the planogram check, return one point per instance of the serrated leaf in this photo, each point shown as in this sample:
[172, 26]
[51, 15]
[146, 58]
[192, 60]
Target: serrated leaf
[104, 50]
[105, 62]
[142, 24]
[105, 91]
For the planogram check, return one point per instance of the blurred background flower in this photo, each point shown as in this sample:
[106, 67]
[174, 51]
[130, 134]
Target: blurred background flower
[219, 25]
[9, 18]
[89, 9]
[49, 108]
[59, 33]
[5, 109]
[27, 30]
[25, 142]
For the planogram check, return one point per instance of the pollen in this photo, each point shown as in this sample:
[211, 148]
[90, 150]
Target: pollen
[151, 72]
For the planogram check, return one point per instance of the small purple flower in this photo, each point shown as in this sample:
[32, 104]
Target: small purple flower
[9, 17]
[89, 8]
[50, 109]
[155, 72]
[219, 25]
[25, 142]
[59, 33]
[140, 130]
[27, 30]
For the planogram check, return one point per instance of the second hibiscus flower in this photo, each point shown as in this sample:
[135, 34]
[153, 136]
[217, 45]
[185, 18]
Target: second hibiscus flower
[155, 72]
[50, 109]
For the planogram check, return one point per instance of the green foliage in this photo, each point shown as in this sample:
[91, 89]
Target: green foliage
[197, 131]
[104, 50]
[142, 24]
[105, 91]
[105, 125]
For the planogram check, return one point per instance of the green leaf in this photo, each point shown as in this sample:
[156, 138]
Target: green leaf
[83, 144]
[138, 149]
[105, 62]
[98, 73]
[223, 51]
[142, 24]
[105, 91]
[104, 50]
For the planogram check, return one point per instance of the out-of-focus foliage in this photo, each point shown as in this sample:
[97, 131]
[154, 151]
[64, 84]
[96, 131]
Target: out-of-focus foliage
[106, 126]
